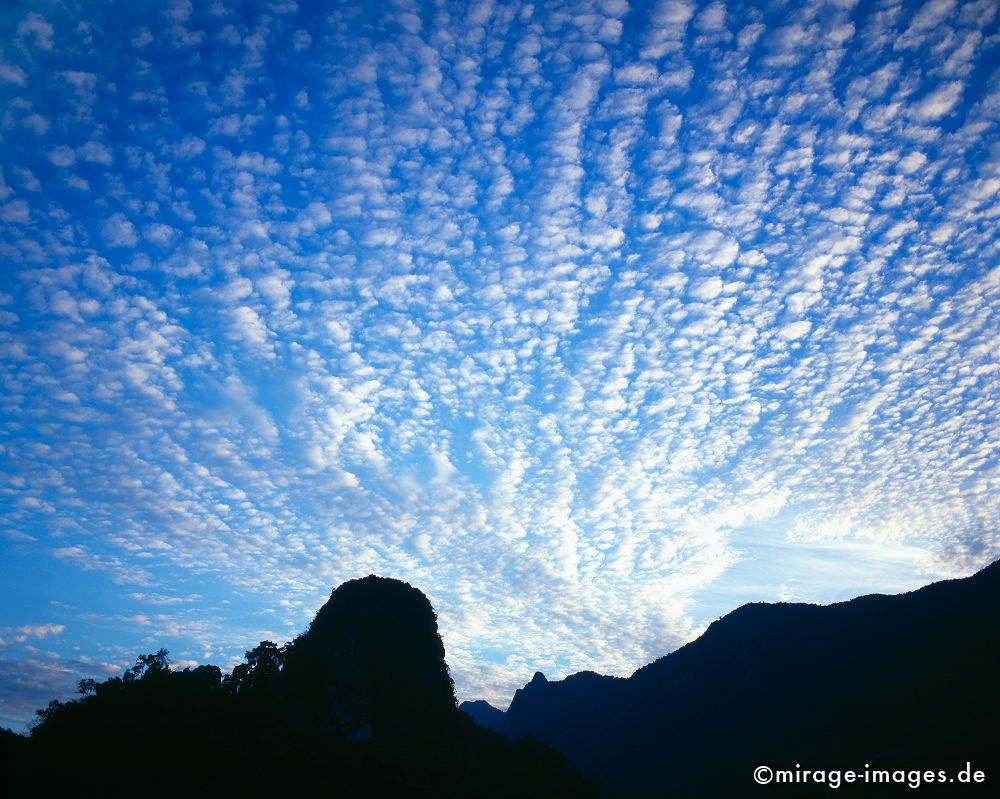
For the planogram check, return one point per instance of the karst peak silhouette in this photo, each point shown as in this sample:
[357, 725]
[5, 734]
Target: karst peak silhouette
[361, 702]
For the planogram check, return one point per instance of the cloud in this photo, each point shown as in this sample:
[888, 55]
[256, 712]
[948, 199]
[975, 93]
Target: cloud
[16, 211]
[26, 631]
[12, 74]
[38, 29]
[118, 231]
[61, 156]
[248, 325]
[95, 153]
[794, 330]
[549, 335]
[938, 103]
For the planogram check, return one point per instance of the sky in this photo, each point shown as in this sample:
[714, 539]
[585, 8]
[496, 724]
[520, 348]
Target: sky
[592, 320]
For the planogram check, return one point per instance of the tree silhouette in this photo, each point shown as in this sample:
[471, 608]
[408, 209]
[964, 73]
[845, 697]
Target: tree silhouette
[260, 672]
[148, 666]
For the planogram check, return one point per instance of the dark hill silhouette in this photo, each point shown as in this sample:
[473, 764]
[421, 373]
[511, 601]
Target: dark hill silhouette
[361, 705]
[897, 682]
[484, 714]
[372, 662]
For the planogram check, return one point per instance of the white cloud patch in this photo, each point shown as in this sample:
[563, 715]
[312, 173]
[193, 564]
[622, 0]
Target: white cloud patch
[794, 330]
[26, 631]
[938, 103]
[118, 231]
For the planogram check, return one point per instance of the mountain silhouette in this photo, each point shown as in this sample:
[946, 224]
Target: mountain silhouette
[904, 685]
[896, 682]
[484, 714]
[361, 704]
[372, 662]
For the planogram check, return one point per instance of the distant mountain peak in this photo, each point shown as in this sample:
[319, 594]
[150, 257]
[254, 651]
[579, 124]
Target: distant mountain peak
[483, 713]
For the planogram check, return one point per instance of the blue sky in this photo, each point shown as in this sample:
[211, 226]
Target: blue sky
[591, 320]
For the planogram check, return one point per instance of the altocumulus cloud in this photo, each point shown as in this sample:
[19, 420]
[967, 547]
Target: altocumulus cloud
[557, 311]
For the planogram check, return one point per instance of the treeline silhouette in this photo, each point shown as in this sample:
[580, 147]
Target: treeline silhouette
[361, 704]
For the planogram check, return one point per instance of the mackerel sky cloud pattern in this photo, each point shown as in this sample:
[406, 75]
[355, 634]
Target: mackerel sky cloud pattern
[591, 320]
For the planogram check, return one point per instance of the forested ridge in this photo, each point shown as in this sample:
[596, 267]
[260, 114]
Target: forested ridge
[361, 703]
